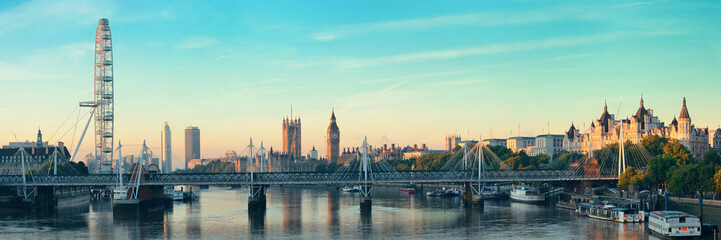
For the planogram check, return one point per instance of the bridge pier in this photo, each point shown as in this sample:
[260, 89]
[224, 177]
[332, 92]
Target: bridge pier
[366, 201]
[256, 199]
[470, 199]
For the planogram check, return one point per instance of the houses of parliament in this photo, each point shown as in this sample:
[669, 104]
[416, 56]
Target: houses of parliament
[292, 140]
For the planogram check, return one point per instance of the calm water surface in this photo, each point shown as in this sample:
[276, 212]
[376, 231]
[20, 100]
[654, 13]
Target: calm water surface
[221, 213]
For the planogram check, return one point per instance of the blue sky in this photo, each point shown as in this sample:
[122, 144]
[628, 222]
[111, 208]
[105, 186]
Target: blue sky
[400, 72]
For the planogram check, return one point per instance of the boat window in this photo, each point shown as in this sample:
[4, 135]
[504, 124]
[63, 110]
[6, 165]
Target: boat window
[682, 219]
[669, 229]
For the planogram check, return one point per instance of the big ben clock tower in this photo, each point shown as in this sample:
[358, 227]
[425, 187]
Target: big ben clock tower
[333, 138]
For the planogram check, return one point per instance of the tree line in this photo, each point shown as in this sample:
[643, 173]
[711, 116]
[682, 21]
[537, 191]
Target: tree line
[674, 168]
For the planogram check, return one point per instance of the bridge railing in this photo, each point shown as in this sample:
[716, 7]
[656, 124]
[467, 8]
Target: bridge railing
[305, 178]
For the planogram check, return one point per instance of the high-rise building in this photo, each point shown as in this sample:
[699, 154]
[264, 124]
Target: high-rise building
[291, 138]
[192, 144]
[333, 139]
[167, 151]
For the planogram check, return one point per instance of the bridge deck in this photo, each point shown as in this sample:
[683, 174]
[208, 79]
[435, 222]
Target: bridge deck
[277, 178]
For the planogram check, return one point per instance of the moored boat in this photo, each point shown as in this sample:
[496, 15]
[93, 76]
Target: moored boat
[353, 189]
[611, 213]
[451, 192]
[527, 194]
[408, 190]
[494, 194]
[674, 224]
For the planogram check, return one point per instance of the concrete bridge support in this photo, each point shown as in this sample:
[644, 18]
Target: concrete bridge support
[471, 199]
[256, 199]
[366, 201]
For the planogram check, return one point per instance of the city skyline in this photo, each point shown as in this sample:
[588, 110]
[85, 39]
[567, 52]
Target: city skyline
[544, 67]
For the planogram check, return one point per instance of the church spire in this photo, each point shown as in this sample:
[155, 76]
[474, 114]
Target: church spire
[605, 106]
[684, 112]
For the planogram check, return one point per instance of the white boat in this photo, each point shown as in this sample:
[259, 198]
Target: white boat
[178, 196]
[351, 190]
[611, 213]
[674, 224]
[527, 194]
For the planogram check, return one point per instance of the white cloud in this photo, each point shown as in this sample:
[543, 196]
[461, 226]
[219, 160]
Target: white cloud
[324, 37]
[197, 42]
[53, 14]
[476, 19]
[292, 64]
[48, 63]
[633, 4]
[465, 52]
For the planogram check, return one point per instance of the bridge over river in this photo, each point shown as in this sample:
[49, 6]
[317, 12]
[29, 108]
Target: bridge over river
[289, 178]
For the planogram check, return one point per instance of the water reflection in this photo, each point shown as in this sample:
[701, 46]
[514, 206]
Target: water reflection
[192, 221]
[257, 224]
[333, 202]
[319, 214]
[292, 211]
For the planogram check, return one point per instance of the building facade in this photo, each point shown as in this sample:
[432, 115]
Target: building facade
[715, 140]
[36, 154]
[451, 141]
[548, 144]
[291, 139]
[333, 140]
[167, 151]
[695, 139]
[607, 130]
[192, 144]
[517, 144]
[313, 154]
[494, 142]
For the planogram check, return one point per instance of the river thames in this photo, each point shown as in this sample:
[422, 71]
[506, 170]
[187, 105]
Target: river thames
[221, 213]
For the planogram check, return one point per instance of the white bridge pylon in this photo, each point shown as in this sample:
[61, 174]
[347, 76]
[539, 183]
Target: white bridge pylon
[256, 162]
[613, 160]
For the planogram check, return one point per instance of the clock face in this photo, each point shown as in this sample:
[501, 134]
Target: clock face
[335, 136]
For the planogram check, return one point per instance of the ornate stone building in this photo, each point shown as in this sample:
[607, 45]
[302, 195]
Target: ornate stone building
[333, 139]
[607, 130]
[695, 139]
[36, 155]
[291, 138]
[715, 140]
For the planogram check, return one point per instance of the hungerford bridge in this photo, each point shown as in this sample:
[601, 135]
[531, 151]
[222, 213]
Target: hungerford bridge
[472, 167]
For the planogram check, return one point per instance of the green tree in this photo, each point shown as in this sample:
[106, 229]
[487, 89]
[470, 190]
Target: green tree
[717, 180]
[712, 158]
[684, 179]
[628, 177]
[320, 168]
[432, 161]
[540, 159]
[654, 144]
[706, 174]
[502, 152]
[676, 150]
[658, 169]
